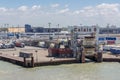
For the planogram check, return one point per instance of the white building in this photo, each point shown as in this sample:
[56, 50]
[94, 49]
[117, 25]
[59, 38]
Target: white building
[84, 29]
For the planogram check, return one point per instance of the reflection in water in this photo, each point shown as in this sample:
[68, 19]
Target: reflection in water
[86, 71]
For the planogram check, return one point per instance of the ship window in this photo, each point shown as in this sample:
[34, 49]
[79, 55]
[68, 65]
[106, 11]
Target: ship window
[89, 30]
[95, 29]
[84, 30]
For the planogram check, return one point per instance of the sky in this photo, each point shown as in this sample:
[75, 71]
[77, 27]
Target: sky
[62, 12]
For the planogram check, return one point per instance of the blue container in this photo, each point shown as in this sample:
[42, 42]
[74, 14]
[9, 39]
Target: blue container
[115, 50]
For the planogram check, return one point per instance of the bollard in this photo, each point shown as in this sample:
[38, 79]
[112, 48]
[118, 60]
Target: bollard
[99, 57]
[83, 57]
[32, 61]
[25, 64]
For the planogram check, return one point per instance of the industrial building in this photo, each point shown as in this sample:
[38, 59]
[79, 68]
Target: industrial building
[16, 29]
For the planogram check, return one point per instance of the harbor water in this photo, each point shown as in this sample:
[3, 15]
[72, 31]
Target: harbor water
[85, 71]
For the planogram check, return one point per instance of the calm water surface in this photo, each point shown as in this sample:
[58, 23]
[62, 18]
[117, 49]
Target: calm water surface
[87, 71]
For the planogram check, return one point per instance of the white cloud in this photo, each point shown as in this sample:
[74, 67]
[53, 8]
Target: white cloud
[76, 12]
[55, 5]
[88, 8]
[101, 14]
[67, 5]
[100, 10]
[35, 7]
[2, 9]
[108, 9]
[23, 8]
[108, 6]
[64, 10]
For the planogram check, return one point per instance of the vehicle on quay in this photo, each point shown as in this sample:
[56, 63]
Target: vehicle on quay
[42, 44]
[7, 45]
[19, 44]
[1, 45]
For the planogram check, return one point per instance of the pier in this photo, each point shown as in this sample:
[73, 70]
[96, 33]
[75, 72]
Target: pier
[41, 58]
[31, 63]
[111, 58]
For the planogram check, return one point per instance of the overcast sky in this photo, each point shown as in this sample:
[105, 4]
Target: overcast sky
[63, 12]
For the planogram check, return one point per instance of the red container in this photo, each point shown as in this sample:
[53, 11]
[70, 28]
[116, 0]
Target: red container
[111, 42]
[58, 52]
[65, 51]
[53, 50]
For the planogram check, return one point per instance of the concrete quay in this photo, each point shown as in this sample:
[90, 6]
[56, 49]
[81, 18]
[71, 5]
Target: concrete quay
[40, 57]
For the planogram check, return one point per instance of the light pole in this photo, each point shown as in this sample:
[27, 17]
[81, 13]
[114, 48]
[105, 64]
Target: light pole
[49, 24]
[18, 29]
[58, 31]
[108, 30]
[18, 32]
[7, 27]
[13, 31]
[36, 56]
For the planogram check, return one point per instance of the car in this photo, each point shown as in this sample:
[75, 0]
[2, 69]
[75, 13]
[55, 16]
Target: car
[7, 45]
[1, 45]
[19, 44]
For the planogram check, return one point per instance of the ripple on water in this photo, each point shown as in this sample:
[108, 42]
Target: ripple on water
[86, 71]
